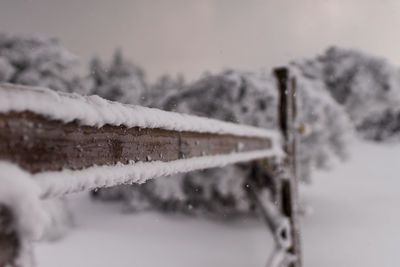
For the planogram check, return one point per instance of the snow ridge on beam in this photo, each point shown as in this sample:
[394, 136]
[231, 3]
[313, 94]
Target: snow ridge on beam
[58, 183]
[96, 111]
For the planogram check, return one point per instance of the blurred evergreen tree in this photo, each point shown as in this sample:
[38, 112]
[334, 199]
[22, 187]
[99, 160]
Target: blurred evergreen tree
[121, 80]
[39, 61]
[366, 86]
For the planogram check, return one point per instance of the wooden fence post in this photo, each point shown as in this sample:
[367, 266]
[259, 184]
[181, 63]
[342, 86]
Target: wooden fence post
[287, 118]
[37, 143]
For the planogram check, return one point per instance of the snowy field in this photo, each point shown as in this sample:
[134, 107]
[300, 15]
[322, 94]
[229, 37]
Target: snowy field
[356, 215]
[355, 222]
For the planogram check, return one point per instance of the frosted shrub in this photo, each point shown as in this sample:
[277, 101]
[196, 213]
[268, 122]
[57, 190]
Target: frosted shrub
[121, 80]
[246, 98]
[366, 86]
[38, 61]
[327, 126]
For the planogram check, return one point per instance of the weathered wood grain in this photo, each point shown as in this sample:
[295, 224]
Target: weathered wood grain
[39, 144]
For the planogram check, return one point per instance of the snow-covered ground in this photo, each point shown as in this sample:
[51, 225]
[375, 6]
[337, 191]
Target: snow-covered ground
[105, 237]
[356, 215]
[355, 222]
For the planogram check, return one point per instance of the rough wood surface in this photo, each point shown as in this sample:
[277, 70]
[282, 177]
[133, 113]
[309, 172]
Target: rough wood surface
[39, 144]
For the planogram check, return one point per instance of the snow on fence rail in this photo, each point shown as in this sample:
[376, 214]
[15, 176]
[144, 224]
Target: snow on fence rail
[56, 143]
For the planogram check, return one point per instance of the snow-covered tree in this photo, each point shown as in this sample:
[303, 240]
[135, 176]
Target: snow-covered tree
[38, 61]
[368, 87]
[121, 80]
[164, 88]
[328, 128]
[246, 98]
[252, 98]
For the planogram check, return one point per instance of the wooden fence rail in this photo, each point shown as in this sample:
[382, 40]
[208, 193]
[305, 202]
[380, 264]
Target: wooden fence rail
[40, 142]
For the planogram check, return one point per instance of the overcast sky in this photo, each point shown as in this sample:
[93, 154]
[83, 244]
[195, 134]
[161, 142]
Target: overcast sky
[190, 37]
